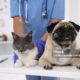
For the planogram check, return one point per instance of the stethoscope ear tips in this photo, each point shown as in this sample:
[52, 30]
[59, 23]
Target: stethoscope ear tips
[44, 14]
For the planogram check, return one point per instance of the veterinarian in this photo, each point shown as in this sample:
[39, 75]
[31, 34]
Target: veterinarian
[35, 16]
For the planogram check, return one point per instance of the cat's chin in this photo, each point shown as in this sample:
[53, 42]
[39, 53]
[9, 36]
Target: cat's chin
[18, 52]
[22, 52]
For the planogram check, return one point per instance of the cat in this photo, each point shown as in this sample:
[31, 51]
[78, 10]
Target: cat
[25, 49]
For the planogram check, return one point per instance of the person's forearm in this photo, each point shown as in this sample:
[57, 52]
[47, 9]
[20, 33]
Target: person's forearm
[18, 25]
[45, 36]
[55, 20]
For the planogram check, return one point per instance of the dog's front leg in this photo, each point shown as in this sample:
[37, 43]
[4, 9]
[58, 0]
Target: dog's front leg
[76, 62]
[44, 60]
[44, 63]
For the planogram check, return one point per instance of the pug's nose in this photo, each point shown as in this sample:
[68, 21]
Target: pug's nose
[67, 39]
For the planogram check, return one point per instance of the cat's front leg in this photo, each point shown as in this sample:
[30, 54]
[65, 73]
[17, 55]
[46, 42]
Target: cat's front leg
[31, 63]
[18, 63]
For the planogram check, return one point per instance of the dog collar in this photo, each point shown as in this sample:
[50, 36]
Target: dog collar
[61, 51]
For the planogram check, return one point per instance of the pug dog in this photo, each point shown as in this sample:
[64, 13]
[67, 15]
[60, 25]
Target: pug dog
[61, 41]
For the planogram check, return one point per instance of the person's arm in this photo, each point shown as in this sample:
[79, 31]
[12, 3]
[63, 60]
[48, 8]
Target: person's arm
[41, 42]
[45, 36]
[18, 25]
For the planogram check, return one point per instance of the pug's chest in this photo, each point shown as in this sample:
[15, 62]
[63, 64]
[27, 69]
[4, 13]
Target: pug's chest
[61, 56]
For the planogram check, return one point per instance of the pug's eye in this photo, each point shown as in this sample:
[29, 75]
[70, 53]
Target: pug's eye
[55, 35]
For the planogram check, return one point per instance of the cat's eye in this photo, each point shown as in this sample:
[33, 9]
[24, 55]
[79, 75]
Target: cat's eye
[29, 41]
[17, 43]
[26, 45]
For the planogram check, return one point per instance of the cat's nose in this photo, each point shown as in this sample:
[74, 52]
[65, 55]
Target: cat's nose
[21, 50]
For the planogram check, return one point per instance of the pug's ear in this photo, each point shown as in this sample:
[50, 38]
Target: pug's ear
[51, 27]
[77, 27]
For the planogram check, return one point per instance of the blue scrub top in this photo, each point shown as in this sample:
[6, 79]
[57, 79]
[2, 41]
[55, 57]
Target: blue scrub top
[36, 22]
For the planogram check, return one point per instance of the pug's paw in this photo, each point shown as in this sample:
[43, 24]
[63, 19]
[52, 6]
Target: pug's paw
[45, 64]
[78, 67]
[48, 66]
[31, 63]
[18, 63]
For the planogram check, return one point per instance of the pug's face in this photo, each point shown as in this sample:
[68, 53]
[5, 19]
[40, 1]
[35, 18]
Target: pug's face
[63, 33]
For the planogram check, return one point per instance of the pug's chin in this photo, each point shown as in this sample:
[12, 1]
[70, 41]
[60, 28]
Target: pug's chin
[65, 44]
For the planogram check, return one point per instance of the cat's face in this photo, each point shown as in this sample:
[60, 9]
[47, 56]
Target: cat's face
[23, 42]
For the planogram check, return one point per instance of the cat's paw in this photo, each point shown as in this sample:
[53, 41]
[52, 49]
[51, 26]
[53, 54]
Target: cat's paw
[18, 63]
[31, 63]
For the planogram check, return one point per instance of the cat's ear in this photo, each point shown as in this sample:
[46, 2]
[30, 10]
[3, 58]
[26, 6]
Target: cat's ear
[29, 36]
[14, 35]
[30, 33]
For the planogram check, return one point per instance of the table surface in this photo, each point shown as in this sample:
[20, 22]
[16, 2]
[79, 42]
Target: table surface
[65, 72]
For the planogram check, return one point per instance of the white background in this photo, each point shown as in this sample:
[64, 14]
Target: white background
[72, 9]
[72, 12]
[5, 20]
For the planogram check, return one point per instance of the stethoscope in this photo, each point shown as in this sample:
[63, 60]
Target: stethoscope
[44, 11]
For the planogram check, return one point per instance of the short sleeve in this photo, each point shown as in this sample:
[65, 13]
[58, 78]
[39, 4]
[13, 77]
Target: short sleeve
[14, 8]
[59, 9]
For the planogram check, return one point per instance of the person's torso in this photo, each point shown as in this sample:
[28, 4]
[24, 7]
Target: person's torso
[34, 11]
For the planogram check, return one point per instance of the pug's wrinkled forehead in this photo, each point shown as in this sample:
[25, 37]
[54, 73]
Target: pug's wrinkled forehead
[66, 24]
[63, 25]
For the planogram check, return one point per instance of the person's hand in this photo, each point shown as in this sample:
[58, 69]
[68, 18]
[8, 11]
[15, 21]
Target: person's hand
[40, 45]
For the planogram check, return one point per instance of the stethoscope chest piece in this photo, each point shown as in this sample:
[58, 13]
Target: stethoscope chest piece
[45, 10]
[44, 14]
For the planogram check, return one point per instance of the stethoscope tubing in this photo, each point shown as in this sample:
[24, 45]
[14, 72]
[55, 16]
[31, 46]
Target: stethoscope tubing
[44, 11]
